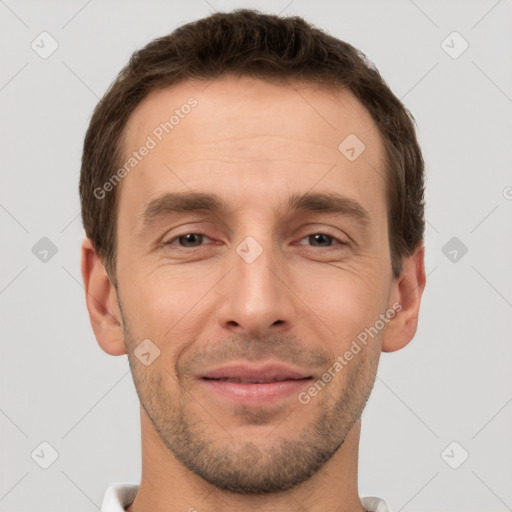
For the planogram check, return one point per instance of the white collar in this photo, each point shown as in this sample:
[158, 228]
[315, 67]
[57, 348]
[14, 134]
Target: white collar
[119, 496]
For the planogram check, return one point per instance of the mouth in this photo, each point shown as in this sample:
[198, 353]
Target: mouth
[262, 380]
[244, 384]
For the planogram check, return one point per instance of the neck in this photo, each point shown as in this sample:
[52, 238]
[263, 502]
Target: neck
[168, 486]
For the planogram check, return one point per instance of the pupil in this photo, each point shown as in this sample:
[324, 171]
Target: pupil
[190, 238]
[315, 237]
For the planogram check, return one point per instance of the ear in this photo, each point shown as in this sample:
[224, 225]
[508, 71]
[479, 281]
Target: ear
[406, 293]
[101, 299]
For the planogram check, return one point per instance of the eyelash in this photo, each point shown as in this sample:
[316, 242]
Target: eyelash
[340, 242]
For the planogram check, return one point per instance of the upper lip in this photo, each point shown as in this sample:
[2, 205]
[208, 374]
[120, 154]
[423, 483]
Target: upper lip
[255, 374]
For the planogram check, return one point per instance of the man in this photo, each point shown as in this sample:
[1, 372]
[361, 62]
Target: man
[252, 195]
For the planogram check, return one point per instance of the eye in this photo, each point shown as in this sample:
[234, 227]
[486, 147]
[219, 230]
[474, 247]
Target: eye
[188, 240]
[191, 240]
[323, 239]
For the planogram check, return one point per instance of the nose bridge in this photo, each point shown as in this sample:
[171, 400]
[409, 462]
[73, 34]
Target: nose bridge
[253, 266]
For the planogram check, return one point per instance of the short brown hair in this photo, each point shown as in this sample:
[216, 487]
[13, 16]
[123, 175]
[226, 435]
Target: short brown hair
[248, 43]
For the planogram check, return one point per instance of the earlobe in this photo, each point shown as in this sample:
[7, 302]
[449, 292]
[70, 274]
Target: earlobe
[101, 300]
[407, 292]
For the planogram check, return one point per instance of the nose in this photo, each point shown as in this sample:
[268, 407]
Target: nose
[255, 297]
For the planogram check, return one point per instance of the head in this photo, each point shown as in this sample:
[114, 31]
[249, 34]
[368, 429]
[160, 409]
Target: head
[252, 195]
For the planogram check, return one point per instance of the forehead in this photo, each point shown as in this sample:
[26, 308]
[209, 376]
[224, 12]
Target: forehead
[253, 138]
[230, 107]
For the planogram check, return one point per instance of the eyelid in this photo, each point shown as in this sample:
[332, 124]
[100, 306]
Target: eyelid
[188, 228]
[316, 228]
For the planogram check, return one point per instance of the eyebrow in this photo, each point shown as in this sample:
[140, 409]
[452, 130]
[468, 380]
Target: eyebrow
[179, 202]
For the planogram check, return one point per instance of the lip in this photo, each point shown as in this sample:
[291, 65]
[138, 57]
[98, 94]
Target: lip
[255, 385]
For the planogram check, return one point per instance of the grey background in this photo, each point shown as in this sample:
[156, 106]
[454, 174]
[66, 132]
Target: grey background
[452, 383]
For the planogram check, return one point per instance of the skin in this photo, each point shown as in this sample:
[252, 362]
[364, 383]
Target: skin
[301, 302]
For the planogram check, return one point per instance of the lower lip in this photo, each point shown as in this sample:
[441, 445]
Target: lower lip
[256, 394]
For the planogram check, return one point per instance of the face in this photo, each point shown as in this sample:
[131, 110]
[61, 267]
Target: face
[254, 295]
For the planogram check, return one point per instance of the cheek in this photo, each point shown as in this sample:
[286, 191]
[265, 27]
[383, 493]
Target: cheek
[344, 302]
[169, 308]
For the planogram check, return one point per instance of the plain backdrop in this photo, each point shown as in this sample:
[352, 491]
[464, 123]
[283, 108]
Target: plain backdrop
[445, 397]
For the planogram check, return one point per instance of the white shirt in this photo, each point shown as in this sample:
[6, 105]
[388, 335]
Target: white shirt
[119, 496]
